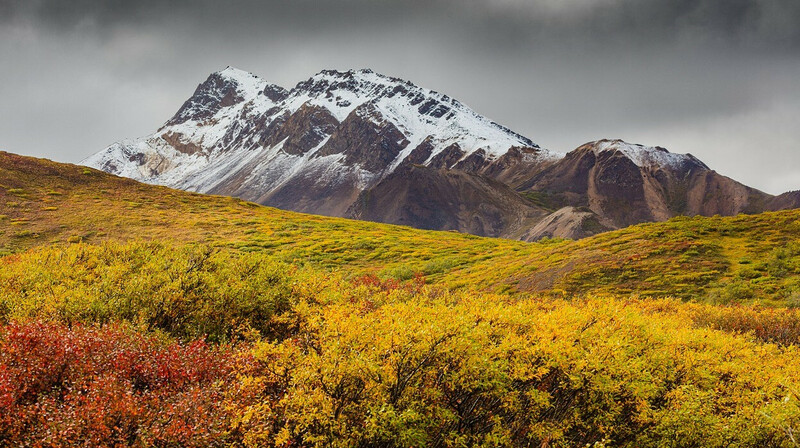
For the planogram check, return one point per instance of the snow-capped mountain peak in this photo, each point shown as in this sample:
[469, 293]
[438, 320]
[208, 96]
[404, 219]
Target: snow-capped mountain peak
[647, 156]
[417, 112]
[248, 84]
[340, 130]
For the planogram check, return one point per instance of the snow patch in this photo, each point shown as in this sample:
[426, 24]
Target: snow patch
[646, 156]
[247, 84]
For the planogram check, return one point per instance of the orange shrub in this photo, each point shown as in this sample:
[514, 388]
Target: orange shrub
[85, 386]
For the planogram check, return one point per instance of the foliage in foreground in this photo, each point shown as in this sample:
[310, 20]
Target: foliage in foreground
[184, 291]
[224, 295]
[82, 386]
[372, 362]
[440, 370]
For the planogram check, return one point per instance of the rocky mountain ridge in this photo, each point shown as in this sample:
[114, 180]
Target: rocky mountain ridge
[363, 145]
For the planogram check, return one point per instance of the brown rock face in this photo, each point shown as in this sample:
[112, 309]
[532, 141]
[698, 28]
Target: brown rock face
[516, 167]
[621, 192]
[209, 97]
[447, 157]
[440, 199]
[784, 201]
[306, 194]
[710, 193]
[367, 139]
[421, 153]
[473, 163]
[179, 143]
[301, 131]
[568, 222]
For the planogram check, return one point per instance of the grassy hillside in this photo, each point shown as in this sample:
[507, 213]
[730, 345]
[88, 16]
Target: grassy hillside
[737, 259]
[43, 202]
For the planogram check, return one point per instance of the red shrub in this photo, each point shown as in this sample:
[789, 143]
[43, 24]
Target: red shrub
[413, 286]
[63, 386]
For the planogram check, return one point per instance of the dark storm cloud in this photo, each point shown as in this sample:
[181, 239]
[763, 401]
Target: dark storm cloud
[715, 78]
[758, 22]
[772, 22]
[302, 14]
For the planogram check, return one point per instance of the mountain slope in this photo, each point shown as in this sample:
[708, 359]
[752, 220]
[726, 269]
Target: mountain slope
[785, 201]
[441, 199]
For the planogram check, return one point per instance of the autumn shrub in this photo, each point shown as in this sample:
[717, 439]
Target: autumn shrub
[732, 291]
[400, 273]
[368, 362]
[390, 284]
[782, 261]
[110, 386]
[793, 300]
[186, 291]
[775, 325]
[478, 371]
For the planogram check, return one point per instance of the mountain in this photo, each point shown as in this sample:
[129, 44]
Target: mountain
[785, 201]
[363, 145]
[314, 148]
[625, 184]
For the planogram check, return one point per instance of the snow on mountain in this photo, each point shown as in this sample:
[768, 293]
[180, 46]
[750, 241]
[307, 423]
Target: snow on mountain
[647, 156]
[211, 121]
[417, 112]
[238, 134]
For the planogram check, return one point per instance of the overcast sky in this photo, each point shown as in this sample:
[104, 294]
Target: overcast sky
[716, 78]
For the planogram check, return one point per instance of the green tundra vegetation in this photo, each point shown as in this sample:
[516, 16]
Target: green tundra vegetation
[136, 315]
